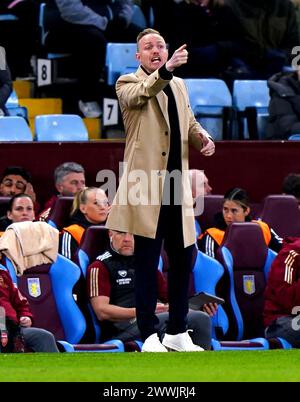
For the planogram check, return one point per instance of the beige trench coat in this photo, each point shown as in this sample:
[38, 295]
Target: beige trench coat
[144, 108]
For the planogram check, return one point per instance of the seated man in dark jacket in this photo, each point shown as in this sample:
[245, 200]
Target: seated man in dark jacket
[284, 107]
[110, 281]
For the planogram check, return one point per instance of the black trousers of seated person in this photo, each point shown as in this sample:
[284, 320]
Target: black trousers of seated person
[147, 252]
[87, 44]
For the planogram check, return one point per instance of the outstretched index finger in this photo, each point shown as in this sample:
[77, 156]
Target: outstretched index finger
[181, 48]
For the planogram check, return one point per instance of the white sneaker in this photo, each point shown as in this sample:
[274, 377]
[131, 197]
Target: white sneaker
[90, 109]
[181, 343]
[153, 344]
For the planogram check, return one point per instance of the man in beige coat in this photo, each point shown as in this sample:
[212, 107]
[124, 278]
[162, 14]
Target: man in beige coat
[154, 200]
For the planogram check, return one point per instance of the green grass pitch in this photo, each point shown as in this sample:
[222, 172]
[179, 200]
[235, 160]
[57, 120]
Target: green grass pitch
[273, 365]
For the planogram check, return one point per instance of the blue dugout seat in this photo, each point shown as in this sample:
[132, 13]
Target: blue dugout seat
[120, 59]
[49, 290]
[60, 127]
[14, 128]
[251, 101]
[211, 103]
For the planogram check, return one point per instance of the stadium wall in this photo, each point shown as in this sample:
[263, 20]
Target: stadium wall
[258, 166]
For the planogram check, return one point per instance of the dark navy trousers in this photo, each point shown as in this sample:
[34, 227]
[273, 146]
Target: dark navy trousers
[147, 252]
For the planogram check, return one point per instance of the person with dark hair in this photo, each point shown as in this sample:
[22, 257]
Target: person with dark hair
[291, 185]
[6, 88]
[236, 208]
[14, 180]
[20, 209]
[17, 180]
[160, 126]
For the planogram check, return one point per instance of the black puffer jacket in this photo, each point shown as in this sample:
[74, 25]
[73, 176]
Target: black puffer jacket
[284, 107]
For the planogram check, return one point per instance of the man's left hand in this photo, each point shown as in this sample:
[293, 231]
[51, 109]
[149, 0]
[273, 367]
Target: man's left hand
[208, 147]
[25, 321]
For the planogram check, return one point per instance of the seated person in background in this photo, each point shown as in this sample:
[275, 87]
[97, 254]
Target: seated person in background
[236, 208]
[199, 183]
[17, 180]
[20, 37]
[20, 209]
[84, 30]
[90, 207]
[284, 106]
[268, 32]
[282, 294]
[69, 178]
[291, 186]
[5, 88]
[200, 187]
[110, 284]
[17, 309]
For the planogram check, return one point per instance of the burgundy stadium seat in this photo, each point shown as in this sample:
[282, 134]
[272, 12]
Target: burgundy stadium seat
[60, 213]
[94, 242]
[49, 289]
[282, 214]
[212, 205]
[247, 261]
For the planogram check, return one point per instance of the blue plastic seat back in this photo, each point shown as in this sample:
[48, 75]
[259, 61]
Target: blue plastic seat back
[120, 59]
[252, 94]
[247, 260]
[94, 242]
[60, 127]
[208, 98]
[206, 274]
[10, 268]
[13, 100]
[14, 128]
[294, 137]
[8, 17]
[20, 111]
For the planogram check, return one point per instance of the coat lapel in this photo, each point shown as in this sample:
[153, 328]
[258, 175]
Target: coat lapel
[161, 97]
[163, 104]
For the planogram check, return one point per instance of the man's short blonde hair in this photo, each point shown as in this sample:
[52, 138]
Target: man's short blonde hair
[145, 32]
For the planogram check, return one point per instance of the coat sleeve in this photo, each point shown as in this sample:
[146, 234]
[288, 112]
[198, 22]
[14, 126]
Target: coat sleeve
[134, 93]
[18, 302]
